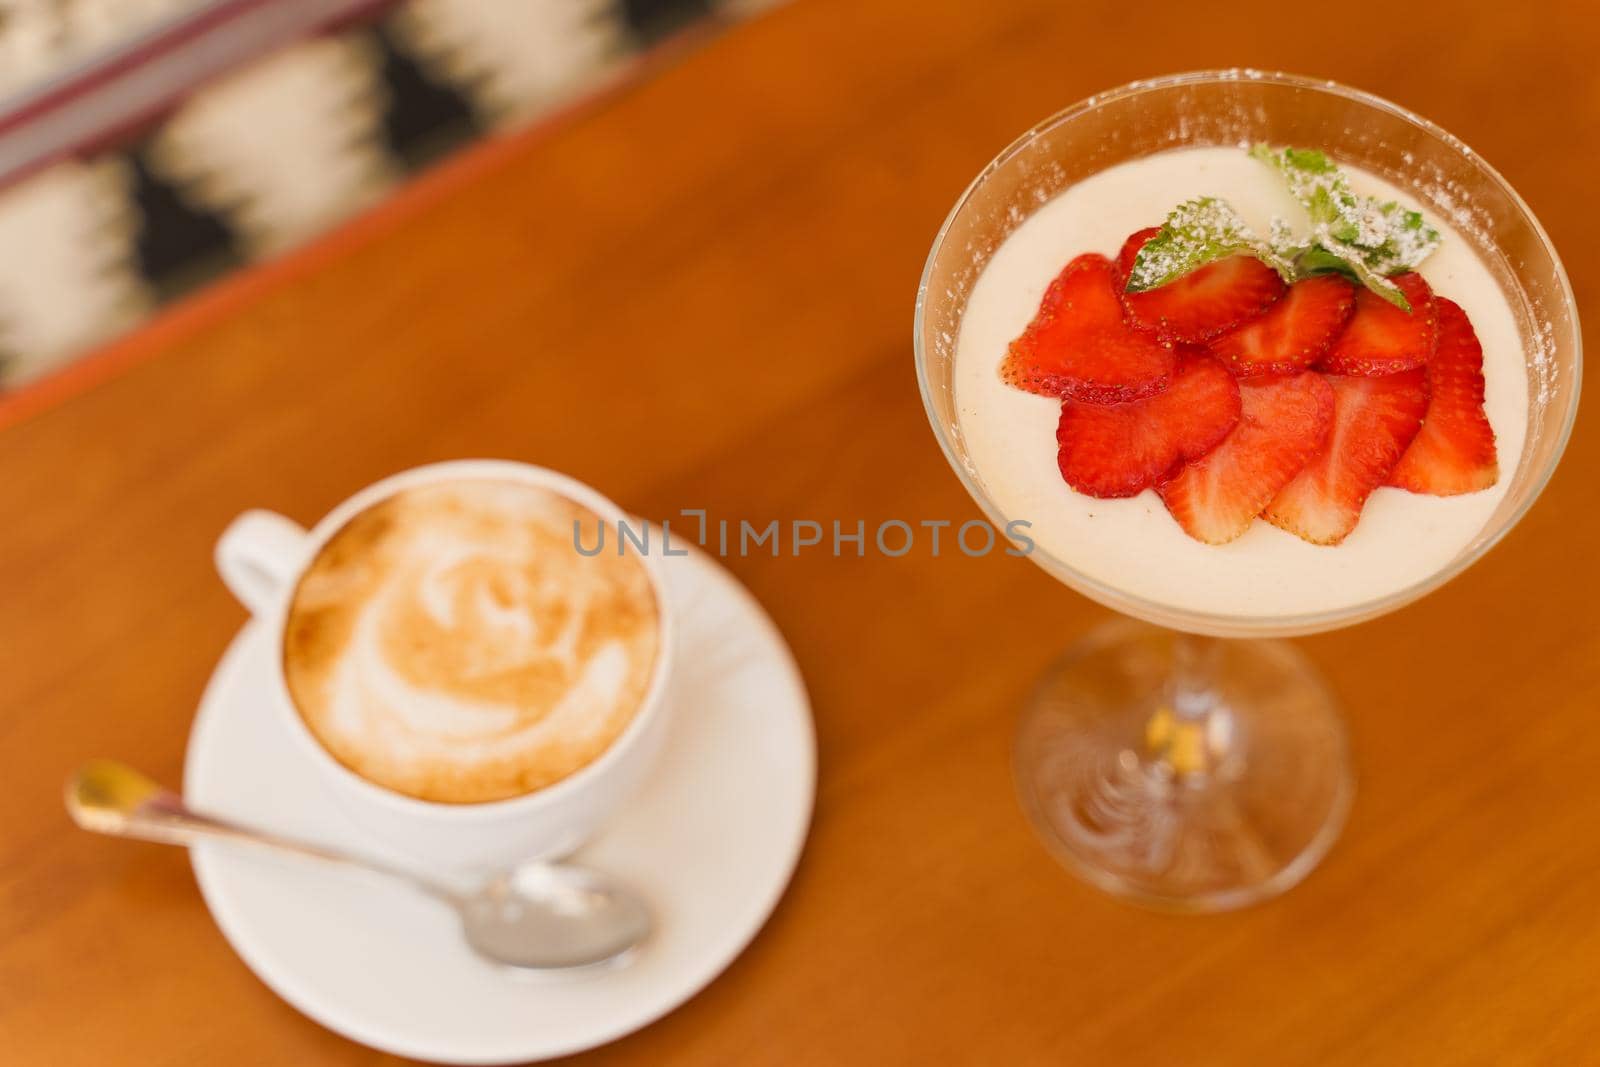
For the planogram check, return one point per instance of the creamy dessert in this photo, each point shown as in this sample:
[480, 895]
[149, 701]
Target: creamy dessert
[1266, 432]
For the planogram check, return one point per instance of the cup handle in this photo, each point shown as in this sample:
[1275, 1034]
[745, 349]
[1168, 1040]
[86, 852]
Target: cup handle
[257, 555]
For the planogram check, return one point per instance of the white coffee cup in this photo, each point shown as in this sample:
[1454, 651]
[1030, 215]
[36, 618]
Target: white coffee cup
[261, 557]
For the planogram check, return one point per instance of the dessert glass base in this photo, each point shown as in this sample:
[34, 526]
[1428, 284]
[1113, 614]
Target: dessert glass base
[1184, 772]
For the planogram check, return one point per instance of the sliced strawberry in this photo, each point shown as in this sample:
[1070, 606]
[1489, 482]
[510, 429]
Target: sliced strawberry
[1202, 303]
[1130, 252]
[1291, 334]
[1382, 339]
[1282, 424]
[1455, 451]
[1374, 419]
[1078, 345]
[1113, 450]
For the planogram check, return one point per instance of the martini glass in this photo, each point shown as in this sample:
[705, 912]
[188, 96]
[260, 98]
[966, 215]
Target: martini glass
[1194, 760]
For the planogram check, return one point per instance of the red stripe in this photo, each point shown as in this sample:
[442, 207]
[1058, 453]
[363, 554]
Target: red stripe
[119, 63]
[100, 79]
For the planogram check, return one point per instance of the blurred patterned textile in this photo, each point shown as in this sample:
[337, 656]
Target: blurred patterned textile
[149, 146]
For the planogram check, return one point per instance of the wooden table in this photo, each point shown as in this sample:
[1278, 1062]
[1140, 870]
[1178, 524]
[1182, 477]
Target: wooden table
[699, 295]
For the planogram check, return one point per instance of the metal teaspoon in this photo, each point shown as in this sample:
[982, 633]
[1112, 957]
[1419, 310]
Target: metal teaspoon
[538, 916]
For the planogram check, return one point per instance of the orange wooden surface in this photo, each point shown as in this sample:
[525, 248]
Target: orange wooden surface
[700, 296]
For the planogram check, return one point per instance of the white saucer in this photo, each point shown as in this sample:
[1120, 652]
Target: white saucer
[711, 840]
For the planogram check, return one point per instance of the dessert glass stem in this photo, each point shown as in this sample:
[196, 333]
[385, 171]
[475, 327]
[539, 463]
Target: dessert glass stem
[1194, 693]
[1183, 733]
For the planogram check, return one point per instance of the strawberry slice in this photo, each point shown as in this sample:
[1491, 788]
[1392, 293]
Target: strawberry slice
[1291, 334]
[1115, 450]
[1282, 424]
[1203, 303]
[1382, 339]
[1374, 419]
[1455, 451]
[1078, 345]
[1130, 252]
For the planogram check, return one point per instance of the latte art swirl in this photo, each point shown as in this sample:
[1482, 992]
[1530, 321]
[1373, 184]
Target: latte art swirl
[450, 642]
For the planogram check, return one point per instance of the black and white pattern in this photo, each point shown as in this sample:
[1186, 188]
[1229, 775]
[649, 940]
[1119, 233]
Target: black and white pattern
[148, 146]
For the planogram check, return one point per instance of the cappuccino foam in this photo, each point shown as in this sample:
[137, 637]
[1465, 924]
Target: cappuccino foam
[452, 644]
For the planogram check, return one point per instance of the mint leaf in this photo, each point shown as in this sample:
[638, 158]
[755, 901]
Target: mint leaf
[1375, 238]
[1196, 233]
[1350, 262]
[1408, 239]
[1361, 237]
[1319, 186]
[1342, 259]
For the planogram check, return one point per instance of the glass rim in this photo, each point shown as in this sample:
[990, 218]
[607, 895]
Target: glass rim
[1221, 624]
